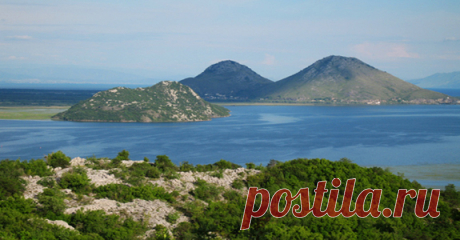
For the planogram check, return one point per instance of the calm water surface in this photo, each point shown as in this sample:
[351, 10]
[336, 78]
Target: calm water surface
[368, 135]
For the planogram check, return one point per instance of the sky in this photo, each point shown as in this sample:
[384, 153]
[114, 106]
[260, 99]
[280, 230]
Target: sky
[172, 40]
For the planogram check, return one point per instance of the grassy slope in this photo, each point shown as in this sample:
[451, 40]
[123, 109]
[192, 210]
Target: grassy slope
[347, 79]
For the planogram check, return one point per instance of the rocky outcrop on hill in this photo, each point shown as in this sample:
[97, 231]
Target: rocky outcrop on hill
[152, 212]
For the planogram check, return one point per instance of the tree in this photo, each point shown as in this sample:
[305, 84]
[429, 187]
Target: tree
[58, 159]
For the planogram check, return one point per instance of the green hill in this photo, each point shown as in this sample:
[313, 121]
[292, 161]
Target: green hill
[347, 80]
[164, 102]
[227, 80]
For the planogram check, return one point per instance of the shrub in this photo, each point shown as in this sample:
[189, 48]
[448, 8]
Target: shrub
[10, 181]
[146, 160]
[47, 182]
[172, 175]
[106, 226]
[184, 230]
[238, 184]
[123, 155]
[224, 164]
[161, 233]
[250, 165]
[115, 162]
[58, 159]
[75, 179]
[52, 201]
[123, 193]
[206, 191]
[172, 217]
[164, 164]
[36, 167]
[20, 204]
[185, 167]
[217, 174]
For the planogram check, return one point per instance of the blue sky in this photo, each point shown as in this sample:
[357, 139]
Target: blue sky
[171, 40]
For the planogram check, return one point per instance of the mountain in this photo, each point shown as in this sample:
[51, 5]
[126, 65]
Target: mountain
[347, 80]
[439, 80]
[163, 102]
[227, 80]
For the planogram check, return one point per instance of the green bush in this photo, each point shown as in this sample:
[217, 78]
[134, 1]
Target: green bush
[58, 159]
[206, 191]
[20, 204]
[238, 184]
[217, 174]
[161, 233]
[10, 181]
[184, 230]
[123, 155]
[106, 226]
[77, 180]
[52, 201]
[172, 217]
[224, 164]
[123, 193]
[164, 164]
[47, 182]
[250, 165]
[186, 167]
[36, 168]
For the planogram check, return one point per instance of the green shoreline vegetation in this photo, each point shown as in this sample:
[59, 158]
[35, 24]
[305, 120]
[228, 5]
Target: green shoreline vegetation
[212, 211]
[30, 113]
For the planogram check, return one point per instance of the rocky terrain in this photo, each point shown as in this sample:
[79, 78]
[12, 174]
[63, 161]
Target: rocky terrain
[155, 212]
[163, 102]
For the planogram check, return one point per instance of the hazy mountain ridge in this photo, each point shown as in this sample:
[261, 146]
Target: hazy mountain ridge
[347, 80]
[227, 80]
[439, 80]
[164, 102]
[334, 79]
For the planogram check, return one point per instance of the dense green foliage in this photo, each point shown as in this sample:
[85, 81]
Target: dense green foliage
[76, 180]
[162, 102]
[58, 159]
[224, 217]
[123, 155]
[23, 219]
[123, 193]
[10, 172]
[215, 212]
[206, 191]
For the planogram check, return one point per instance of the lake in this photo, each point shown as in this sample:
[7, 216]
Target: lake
[421, 141]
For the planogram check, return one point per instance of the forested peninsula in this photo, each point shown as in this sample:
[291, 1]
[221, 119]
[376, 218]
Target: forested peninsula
[117, 198]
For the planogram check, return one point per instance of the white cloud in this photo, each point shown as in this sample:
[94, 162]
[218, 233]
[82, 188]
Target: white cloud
[16, 58]
[268, 60]
[453, 39]
[20, 37]
[383, 50]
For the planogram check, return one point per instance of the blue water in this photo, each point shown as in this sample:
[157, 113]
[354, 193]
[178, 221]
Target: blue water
[368, 135]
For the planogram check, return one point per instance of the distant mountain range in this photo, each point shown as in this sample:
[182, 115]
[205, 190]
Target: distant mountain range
[334, 79]
[439, 80]
[68, 77]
